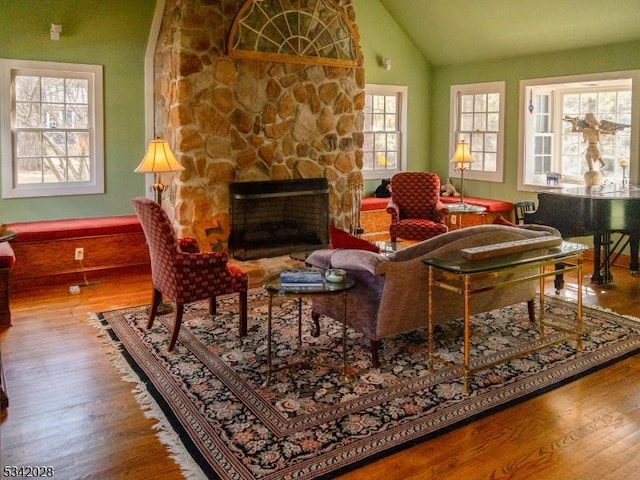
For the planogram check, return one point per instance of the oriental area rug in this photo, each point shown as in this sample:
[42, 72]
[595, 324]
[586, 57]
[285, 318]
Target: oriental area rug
[221, 421]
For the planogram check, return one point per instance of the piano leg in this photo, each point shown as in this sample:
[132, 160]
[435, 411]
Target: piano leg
[601, 259]
[558, 280]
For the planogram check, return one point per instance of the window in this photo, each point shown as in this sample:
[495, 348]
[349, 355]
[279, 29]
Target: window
[50, 129]
[572, 124]
[384, 131]
[477, 116]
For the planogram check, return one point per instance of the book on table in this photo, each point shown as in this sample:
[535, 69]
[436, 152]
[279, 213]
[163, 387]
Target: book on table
[301, 278]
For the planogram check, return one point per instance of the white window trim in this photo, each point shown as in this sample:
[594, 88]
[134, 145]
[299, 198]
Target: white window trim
[489, 87]
[402, 163]
[635, 115]
[96, 185]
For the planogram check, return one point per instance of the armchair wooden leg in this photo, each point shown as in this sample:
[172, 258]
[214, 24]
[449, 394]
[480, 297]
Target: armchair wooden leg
[176, 325]
[213, 306]
[156, 298]
[243, 313]
[531, 309]
[315, 329]
[375, 347]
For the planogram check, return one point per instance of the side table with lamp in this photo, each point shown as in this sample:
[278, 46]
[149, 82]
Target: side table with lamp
[461, 157]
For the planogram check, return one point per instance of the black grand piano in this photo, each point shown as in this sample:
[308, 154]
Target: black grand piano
[599, 211]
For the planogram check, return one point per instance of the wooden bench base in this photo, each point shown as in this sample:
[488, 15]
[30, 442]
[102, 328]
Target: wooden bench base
[45, 251]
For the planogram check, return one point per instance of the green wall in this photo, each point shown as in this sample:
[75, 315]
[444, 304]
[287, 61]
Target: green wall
[380, 37]
[115, 33]
[111, 33]
[592, 60]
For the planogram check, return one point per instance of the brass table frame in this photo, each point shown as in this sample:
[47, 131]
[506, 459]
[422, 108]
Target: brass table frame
[458, 275]
[274, 288]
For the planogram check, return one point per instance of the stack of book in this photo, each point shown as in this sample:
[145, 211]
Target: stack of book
[301, 278]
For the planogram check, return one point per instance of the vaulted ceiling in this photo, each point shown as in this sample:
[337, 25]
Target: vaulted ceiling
[460, 31]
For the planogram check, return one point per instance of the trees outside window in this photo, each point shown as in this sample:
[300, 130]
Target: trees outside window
[51, 129]
[384, 131]
[477, 117]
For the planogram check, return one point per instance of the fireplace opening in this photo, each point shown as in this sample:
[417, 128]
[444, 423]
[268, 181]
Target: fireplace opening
[278, 217]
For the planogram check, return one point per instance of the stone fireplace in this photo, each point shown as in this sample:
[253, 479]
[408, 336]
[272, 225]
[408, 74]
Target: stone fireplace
[278, 217]
[232, 120]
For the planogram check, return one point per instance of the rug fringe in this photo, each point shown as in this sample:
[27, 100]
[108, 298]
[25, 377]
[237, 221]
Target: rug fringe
[165, 433]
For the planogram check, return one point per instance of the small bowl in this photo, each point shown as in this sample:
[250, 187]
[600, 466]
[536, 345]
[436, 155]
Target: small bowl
[335, 275]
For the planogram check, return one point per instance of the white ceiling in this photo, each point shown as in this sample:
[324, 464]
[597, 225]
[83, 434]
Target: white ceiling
[460, 31]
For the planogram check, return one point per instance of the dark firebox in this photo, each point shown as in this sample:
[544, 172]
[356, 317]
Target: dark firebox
[278, 217]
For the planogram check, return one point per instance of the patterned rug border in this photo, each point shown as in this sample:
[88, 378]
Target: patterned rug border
[194, 464]
[168, 429]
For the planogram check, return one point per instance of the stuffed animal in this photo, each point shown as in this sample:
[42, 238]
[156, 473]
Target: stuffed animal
[384, 189]
[448, 189]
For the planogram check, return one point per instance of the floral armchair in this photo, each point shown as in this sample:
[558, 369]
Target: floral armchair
[390, 296]
[183, 274]
[415, 207]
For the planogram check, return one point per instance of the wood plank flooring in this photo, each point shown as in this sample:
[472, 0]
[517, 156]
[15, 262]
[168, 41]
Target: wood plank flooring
[70, 409]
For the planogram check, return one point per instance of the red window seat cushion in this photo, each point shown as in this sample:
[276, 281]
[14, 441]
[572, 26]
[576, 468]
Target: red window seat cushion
[489, 204]
[75, 227]
[374, 203]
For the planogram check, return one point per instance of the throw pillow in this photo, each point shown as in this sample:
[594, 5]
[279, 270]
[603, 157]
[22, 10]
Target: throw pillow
[500, 220]
[341, 239]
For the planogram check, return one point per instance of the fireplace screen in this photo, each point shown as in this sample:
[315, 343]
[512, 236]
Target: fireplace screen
[278, 217]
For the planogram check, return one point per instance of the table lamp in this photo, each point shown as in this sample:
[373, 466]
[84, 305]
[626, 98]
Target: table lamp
[461, 156]
[158, 159]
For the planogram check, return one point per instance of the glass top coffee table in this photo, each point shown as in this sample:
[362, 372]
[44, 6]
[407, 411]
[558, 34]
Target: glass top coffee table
[469, 276]
[274, 288]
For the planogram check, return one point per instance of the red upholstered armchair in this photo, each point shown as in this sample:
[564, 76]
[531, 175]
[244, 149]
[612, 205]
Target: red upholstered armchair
[415, 207]
[185, 276]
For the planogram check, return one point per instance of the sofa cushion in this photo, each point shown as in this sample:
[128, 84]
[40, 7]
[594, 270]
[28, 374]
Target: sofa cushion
[341, 239]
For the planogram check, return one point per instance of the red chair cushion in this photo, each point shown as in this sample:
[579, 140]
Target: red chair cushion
[341, 239]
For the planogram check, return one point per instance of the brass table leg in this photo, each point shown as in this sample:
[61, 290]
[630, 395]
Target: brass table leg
[541, 296]
[344, 336]
[269, 361]
[579, 306]
[430, 326]
[300, 352]
[467, 334]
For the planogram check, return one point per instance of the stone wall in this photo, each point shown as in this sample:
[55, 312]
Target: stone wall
[231, 120]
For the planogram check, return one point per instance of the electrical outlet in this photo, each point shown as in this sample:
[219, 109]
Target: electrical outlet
[79, 253]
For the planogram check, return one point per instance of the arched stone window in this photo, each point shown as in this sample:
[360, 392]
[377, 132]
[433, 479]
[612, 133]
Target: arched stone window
[316, 32]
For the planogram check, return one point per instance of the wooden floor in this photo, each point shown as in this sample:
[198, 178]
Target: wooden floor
[69, 408]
